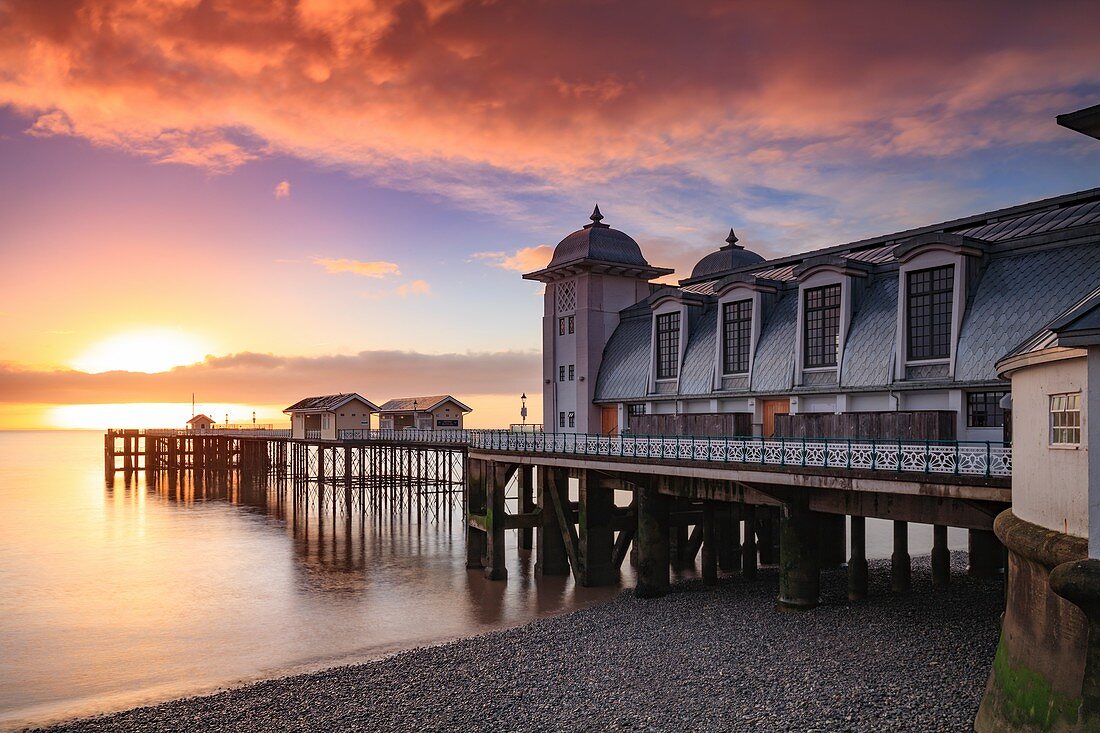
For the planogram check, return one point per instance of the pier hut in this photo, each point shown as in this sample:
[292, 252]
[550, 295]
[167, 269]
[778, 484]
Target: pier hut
[326, 415]
[435, 412]
[200, 423]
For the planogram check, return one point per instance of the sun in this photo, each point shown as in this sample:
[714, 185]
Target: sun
[148, 350]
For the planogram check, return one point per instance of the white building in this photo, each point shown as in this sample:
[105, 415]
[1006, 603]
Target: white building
[325, 416]
[434, 412]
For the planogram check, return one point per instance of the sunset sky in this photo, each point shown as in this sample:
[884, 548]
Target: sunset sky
[290, 198]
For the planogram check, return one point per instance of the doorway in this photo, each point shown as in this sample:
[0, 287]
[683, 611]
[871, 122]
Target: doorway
[771, 408]
[609, 420]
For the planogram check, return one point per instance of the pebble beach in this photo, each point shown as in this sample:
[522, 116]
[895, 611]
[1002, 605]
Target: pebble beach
[702, 659]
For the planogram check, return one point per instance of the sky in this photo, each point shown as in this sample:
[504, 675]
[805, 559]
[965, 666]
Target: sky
[257, 201]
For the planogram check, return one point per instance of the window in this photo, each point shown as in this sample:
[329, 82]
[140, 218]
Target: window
[572, 372]
[929, 295]
[561, 373]
[822, 326]
[572, 323]
[668, 345]
[1065, 419]
[561, 326]
[561, 419]
[635, 410]
[567, 296]
[737, 334]
[983, 410]
[572, 419]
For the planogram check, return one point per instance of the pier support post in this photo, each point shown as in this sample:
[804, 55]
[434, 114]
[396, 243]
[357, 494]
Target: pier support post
[857, 563]
[748, 545]
[901, 571]
[677, 546]
[710, 548]
[525, 480]
[496, 479]
[799, 574]
[941, 557]
[652, 541]
[728, 538]
[550, 554]
[475, 505]
[986, 554]
[832, 547]
[767, 530]
[595, 531]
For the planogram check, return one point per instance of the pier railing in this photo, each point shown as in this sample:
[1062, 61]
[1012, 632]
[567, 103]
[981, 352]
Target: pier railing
[976, 458]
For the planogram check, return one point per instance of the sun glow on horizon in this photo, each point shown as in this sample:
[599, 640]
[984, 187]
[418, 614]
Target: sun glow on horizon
[148, 350]
[158, 415]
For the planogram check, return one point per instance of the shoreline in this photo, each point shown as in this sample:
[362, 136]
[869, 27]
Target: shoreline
[719, 658]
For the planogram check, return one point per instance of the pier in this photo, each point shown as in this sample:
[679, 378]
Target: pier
[584, 504]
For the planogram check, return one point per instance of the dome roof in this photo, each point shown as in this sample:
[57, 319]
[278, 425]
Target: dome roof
[598, 241]
[730, 257]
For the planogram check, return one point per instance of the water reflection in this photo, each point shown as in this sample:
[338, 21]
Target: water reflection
[145, 591]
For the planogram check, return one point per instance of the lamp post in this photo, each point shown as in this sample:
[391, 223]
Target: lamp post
[416, 423]
[523, 407]
[253, 418]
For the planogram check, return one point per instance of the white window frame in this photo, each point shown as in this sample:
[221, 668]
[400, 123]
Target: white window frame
[665, 309]
[929, 257]
[819, 278]
[1069, 397]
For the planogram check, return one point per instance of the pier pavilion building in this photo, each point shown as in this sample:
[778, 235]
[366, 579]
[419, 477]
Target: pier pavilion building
[897, 336]
[434, 412]
[200, 423]
[325, 416]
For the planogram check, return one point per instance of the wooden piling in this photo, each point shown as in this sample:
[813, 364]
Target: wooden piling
[901, 572]
[652, 540]
[799, 573]
[941, 557]
[857, 562]
[550, 553]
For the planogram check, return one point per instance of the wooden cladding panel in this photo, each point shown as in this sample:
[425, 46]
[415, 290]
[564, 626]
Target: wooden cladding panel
[724, 424]
[909, 425]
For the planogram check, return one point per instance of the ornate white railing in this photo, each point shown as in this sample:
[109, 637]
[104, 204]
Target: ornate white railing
[456, 437]
[936, 457]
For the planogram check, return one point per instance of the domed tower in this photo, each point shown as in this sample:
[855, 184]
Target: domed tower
[731, 257]
[595, 272]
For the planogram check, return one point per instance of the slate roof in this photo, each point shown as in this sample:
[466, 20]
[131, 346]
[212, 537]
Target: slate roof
[423, 404]
[200, 418]
[1047, 337]
[869, 348]
[328, 403]
[1047, 282]
[1040, 259]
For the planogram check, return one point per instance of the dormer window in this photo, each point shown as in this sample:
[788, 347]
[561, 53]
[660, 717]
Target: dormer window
[821, 320]
[928, 330]
[668, 345]
[736, 336]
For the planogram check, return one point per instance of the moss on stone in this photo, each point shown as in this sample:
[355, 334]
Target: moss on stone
[1027, 699]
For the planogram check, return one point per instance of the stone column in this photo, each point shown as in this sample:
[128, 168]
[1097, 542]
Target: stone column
[832, 540]
[748, 546]
[526, 484]
[941, 557]
[496, 479]
[799, 573]
[710, 549]
[728, 537]
[597, 537]
[550, 555]
[985, 554]
[857, 563]
[475, 505]
[652, 541]
[901, 571]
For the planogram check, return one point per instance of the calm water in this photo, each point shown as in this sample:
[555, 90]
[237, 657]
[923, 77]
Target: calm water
[114, 597]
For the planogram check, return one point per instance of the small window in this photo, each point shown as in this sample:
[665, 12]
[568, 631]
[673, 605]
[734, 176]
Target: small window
[561, 419]
[561, 373]
[636, 409]
[1065, 419]
[929, 298]
[737, 335]
[341, 414]
[668, 345]
[983, 410]
[561, 326]
[572, 323]
[821, 326]
[572, 419]
[572, 372]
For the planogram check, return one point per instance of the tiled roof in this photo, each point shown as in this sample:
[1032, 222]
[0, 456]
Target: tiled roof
[405, 404]
[773, 365]
[697, 374]
[624, 372]
[328, 402]
[869, 348]
[1046, 282]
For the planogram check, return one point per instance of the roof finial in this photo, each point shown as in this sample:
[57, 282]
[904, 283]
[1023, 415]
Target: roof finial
[596, 218]
[731, 240]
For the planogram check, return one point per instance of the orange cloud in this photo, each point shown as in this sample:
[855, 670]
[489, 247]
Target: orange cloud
[526, 259]
[415, 287]
[282, 190]
[377, 270]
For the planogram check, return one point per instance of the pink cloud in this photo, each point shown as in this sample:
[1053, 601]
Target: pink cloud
[525, 259]
[282, 190]
[376, 270]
